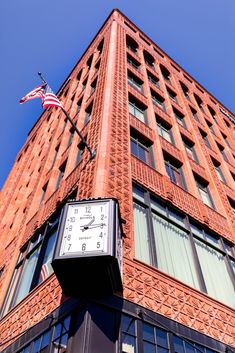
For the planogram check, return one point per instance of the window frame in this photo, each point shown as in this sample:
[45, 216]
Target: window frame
[38, 242]
[186, 223]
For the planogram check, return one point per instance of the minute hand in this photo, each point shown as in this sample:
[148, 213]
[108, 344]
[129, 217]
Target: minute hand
[93, 225]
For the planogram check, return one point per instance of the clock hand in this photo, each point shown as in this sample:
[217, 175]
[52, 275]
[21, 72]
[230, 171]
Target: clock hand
[85, 227]
[92, 226]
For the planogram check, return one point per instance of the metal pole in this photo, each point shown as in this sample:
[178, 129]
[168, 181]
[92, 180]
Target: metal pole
[92, 153]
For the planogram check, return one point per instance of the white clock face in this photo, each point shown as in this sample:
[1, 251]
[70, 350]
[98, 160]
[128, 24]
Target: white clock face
[86, 228]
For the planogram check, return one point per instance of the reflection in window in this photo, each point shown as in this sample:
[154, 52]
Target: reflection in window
[54, 340]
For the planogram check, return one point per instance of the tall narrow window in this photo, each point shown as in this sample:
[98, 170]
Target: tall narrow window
[164, 130]
[165, 74]
[44, 189]
[158, 100]
[219, 171]
[185, 90]
[222, 151]
[80, 152]
[140, 148]
[153, 79]
[60, 175]
[33, 265]
[194, 113]
[134, 63]
[199, 103]
[88, 113]
[93, 86]
[135, 82]
[204, 192]
[179, 117]
[70, 139]
[55, 155]
[131, 44]
[137, 109]
[210, 125]
[149, 60]
[190, 150]
[205, 138]
[174, 172]
[172, 95]
[78, 107]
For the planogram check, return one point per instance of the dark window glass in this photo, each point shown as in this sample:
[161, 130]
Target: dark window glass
[140, 149]
[165, 131]
[134, 63]
[135, 82]
[60, 175]
[174, 173]
[137, 110]
[33, 265]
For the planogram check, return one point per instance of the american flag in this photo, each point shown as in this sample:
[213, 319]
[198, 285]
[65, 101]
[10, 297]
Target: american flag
[44, 92]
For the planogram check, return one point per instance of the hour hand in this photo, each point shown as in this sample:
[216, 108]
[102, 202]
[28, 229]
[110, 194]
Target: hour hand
[86, 226]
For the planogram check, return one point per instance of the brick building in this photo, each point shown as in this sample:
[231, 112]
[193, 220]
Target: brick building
[165, 150]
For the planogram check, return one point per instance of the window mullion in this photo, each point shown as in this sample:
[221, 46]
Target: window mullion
[152, 249]
[196, 259]
[228, 263]
[40, 258]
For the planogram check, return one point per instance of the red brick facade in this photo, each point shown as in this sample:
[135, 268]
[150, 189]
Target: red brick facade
[112, 171]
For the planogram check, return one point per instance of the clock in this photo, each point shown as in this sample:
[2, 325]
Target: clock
[88, 253]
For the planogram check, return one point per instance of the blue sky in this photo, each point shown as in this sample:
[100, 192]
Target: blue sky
[50, 36]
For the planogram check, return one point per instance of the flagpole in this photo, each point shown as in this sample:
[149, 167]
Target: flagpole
[92, 153]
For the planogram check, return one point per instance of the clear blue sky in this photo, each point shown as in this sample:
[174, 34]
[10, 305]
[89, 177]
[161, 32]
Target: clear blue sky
[50, 36]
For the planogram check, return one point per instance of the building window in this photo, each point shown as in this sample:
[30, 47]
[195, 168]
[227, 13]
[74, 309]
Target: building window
[134, 63]
[210, 125]
[44, 190]
[222, 151]
[232, 204]
[137, 109]
[78, 107]
[172, 95]
[226, 140]
[70, 139]
[61, 174]
[204, 192]
[33, 265]
[194, 113]
[80, 152]
[135, 82]
[174, 172]
[158, 100]
[199, 103]
[131, 44]
[169, 240]
[219, 171]
[165, 74]
[164, 130]
[54, 340]
[93, 86]
[153, 79]
[190, 150]
[185, 90]
[55, 155]
[88, 113]
[149, 60]
[140, 148]
[180, 118]
[100, 46]
[205, 138]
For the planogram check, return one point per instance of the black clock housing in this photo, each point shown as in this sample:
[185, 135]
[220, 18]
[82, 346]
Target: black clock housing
[83, 265]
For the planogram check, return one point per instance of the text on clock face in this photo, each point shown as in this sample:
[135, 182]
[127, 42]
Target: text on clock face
[86, 228]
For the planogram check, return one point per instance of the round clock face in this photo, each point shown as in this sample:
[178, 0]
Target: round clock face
[86, 228]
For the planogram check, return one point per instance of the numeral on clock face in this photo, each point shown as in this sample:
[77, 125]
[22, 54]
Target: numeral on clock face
[86, 228]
